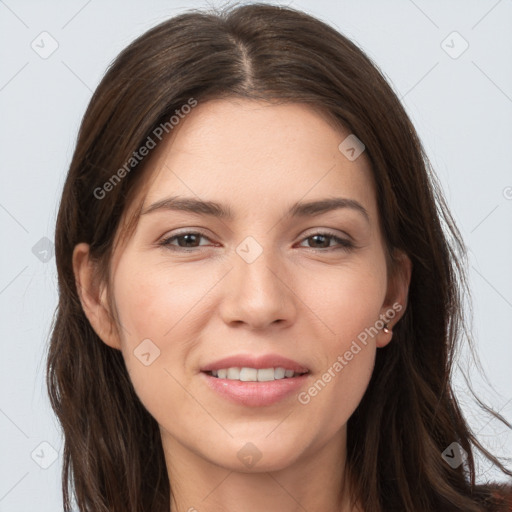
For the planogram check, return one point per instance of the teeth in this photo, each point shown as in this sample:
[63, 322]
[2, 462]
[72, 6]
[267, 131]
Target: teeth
[266, 374]
[233, 373]
[246, 374]
[280, 373]
[249, 374]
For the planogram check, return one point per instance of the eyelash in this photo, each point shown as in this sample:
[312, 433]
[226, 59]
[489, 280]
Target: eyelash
[344, 245]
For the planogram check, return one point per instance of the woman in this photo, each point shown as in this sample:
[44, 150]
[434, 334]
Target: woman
[258, 304]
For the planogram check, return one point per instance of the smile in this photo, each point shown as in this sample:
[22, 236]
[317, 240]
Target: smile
[246, 374]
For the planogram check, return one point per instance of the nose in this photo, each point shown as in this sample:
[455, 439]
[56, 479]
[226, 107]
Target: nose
[258, 294]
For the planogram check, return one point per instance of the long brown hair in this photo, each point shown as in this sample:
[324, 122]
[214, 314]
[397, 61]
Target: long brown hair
[113, 456]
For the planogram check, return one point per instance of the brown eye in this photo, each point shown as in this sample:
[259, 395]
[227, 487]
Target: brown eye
[323, 241]
[186, 240]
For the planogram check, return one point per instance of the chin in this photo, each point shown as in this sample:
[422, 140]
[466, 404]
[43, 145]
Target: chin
[257, 454]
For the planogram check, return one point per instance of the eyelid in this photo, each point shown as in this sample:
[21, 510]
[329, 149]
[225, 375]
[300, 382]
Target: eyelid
[342, 243]
[328, 231]
[164, 241]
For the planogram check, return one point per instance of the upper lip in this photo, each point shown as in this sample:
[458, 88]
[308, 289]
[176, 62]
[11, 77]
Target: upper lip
[258, 362]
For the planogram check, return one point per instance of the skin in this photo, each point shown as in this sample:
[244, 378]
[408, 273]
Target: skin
[300, 298]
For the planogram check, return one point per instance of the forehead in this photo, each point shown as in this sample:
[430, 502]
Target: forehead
[255, 155]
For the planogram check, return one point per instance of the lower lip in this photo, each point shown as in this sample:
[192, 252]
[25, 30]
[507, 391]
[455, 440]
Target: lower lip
[255, 394]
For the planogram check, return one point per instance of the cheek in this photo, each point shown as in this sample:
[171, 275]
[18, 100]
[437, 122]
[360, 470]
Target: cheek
[349, 303]
[152, 302]
[338, 387]
[151, 341]
[159, 312]
[347, 299]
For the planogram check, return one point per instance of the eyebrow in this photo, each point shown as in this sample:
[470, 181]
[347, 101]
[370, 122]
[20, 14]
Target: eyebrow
[299, 209]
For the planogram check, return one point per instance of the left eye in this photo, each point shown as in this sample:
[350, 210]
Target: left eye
[189, 240]
[321, 237]
[189, 237]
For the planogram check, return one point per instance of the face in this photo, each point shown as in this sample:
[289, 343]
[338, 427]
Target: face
[268, 287]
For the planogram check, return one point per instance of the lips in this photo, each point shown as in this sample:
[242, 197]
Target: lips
[254, 392]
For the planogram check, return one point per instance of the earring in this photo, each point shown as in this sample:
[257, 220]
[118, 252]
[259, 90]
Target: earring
[386, 329]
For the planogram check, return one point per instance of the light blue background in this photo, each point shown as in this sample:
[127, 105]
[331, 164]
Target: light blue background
[462, 109]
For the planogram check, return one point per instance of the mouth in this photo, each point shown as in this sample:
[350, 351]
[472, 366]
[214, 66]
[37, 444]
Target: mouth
[248, 374]
[255, 381]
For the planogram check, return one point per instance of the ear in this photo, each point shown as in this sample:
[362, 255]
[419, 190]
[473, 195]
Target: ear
[93, 296]
[395, 302]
